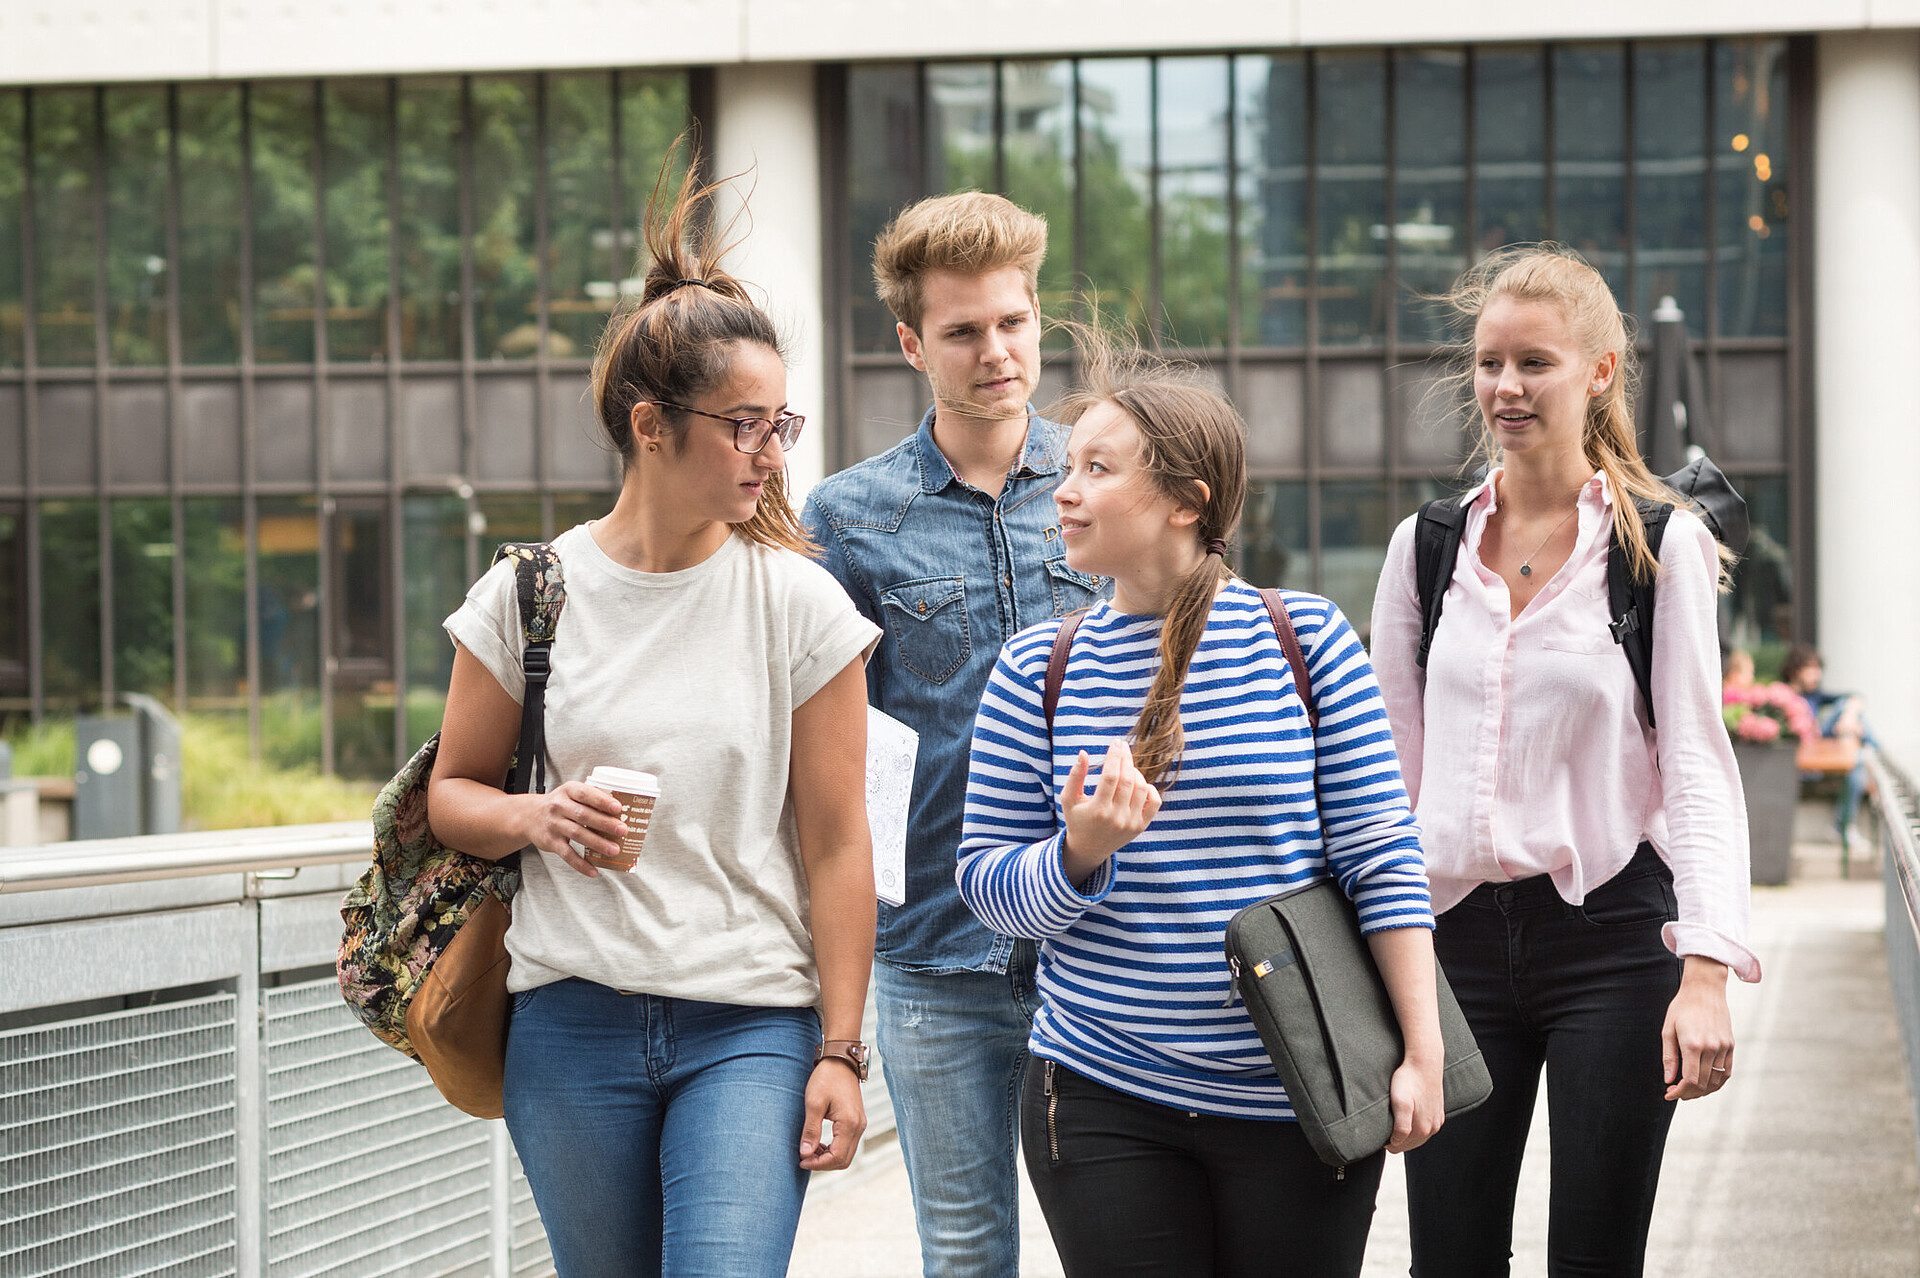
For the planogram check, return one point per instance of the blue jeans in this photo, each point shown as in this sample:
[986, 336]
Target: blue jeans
[660, 1136]
[1581, 990]
[953, 1046]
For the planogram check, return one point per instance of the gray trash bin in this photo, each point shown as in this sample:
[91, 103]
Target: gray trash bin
[126, 777]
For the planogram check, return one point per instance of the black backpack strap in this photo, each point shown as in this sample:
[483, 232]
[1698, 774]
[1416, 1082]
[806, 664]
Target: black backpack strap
[540, 588]
[1436, 544]
[1290, 644]
[1630, 600]
[1057, 662]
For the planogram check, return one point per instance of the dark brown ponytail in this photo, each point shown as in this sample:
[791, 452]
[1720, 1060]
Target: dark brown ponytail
[1194, 452]
[678, 339]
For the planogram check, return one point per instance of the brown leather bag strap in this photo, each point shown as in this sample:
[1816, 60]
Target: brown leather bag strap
[1057, 663]
[1283, 626]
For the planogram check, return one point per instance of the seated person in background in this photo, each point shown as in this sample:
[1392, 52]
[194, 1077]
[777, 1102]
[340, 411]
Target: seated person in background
[1839, 714]
[1736, 669]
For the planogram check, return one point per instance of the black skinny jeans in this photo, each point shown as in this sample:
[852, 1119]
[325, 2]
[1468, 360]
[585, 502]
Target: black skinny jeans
[1138, 1189]
[1582, 990]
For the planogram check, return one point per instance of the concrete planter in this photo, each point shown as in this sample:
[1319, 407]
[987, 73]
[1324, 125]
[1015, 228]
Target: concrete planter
[1772, 785]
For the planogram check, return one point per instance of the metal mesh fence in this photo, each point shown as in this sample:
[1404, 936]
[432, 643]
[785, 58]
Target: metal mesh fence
[531, 1257]
[117, 1144]
[368, 1171]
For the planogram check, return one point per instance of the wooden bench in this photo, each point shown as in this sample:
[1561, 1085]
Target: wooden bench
[1830, 759]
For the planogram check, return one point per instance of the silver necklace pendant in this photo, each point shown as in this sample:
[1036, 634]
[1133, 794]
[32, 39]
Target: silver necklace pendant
[1526, 570]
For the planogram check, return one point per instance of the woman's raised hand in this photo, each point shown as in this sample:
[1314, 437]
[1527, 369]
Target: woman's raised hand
[1101, 823]
[575, 813]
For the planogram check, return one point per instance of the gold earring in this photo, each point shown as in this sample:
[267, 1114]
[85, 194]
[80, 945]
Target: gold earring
[653, 448]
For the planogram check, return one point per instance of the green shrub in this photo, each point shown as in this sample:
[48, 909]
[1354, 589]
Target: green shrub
[222, 787]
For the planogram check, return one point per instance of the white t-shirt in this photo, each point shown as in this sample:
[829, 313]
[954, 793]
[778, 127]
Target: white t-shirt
[693, 676]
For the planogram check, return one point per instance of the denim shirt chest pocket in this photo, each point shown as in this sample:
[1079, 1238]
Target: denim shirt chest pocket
[1071, 588]
[928, 618]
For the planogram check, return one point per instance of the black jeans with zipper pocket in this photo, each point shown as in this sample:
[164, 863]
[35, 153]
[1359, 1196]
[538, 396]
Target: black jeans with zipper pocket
[1142, 1190]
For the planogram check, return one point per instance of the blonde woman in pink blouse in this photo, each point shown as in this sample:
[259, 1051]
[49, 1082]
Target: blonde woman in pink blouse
[1590, 873]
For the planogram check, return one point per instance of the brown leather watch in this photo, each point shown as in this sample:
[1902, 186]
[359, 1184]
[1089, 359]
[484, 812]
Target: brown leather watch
[849, 1051]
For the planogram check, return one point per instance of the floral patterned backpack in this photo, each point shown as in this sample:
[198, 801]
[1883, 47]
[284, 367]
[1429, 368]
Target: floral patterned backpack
[423, 960]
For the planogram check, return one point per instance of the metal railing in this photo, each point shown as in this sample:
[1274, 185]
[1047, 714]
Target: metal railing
[183, 1091]
[1899, 809]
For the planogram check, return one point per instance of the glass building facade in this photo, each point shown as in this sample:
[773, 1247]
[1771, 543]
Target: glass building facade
[281, 362]
[1282, 218]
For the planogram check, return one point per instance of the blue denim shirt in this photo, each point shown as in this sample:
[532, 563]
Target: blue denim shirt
[948, 574]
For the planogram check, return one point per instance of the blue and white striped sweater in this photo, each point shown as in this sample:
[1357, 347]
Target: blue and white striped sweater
[1131, 971]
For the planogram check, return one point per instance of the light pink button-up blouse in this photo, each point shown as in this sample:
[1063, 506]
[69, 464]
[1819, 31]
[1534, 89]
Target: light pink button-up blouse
[1526, 749]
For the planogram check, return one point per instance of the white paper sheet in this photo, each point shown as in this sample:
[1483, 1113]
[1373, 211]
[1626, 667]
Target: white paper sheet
[891, 747]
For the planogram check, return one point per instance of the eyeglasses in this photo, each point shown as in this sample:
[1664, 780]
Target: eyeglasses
[750, 434]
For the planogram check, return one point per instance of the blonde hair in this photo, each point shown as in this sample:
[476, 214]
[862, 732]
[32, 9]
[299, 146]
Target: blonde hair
[969, 232]
[1190, 436]
[1558, 276]
[679, 338]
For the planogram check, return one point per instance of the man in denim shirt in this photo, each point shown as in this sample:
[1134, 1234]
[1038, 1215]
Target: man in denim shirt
[950, 542]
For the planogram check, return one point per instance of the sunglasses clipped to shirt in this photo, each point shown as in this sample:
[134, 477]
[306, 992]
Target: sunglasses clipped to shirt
[750, 434]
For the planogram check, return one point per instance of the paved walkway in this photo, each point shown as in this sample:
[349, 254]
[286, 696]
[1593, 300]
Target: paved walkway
[1804, 1168]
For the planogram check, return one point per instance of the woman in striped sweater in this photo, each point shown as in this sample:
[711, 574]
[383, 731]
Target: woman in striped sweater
[1157, 1136]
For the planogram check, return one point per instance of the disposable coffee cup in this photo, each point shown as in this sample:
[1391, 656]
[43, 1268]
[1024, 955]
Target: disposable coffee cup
[637, 792]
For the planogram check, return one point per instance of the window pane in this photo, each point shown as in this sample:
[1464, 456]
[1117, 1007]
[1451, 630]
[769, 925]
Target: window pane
[1590, 155]
[580, 283]
[1037, 110]
[1750, 195]
[429, 220]
[436, 550]
[1194, 118]
[883, 177]
[216, 567]
[1274, 550]
[136, 225]
[505, 273]
[1669, 173]
[356, 168]
[13, 608]
[143, 597]
[959, 126]
[1116, 142]
[289, 621]
[654, 112]
[13, 159]
[70, 609]
[209, 281]
[362, 637]
[63, 138]
[508, 517]
[1350, 130]
[1355, 524]
[1510, 147]
[573, 509]
[1762, 598]
[1430, 177]
[282, 167]
[1271, 148]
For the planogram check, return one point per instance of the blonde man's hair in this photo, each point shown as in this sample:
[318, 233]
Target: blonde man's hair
[969, 232]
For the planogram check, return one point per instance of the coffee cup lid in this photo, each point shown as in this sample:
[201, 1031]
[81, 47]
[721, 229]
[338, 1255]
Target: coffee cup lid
[625, 779]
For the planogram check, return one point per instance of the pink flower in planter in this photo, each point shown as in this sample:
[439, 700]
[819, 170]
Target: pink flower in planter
[1758, 728]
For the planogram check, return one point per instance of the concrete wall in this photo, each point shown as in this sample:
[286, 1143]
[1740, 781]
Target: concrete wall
[89, 40]
[1866, 215]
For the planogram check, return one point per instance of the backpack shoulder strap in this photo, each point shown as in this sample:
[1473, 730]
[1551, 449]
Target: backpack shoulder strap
[1057, 662]
[1630, 600]
[1436, 544]
[1290, 643]
[540, 588]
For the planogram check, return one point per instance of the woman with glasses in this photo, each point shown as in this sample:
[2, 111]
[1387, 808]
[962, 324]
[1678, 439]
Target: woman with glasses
[680, 1030]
